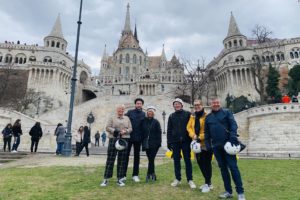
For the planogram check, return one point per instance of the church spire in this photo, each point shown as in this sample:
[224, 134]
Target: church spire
[57, 30]
[127, 28]
[135, 33]
[233, 29]
[163, 54]
[104, 56]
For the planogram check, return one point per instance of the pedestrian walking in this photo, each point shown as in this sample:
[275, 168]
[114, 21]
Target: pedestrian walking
[36, 134]
[17, 132]
[7, 135]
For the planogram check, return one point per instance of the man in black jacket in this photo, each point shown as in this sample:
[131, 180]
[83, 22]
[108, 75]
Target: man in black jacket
[136, 116]
[220, 127]
[36, 133]
[178, 140]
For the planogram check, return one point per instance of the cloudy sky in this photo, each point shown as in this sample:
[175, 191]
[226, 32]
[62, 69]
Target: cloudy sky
[190, 28]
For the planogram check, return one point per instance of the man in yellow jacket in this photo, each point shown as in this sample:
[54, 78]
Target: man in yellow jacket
[195, 128]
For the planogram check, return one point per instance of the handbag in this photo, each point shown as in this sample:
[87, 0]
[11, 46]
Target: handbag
[243, 146]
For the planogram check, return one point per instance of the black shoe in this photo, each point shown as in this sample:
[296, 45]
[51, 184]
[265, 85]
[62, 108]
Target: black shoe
[148, 178]
[153, 177]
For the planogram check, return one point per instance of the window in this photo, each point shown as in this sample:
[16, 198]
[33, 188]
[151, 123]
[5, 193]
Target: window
[120, 58]
[52, 44]
[282, 56]
[296, 55]
[134, 59]
[235, 43]
[229, 43]
[47, 59]
[263, 59]
[291, 55]
[57, 44]
[32, 58]
[241, 43]
[127, 58]
[141, 60]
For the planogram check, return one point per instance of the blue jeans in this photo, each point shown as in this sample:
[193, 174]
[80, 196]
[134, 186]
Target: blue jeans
[59, 149]
[17, 141]
[226, 161]
[186, 151]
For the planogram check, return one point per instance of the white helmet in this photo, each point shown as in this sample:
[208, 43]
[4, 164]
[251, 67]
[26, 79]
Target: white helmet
[121, 144]
[196, 146]
[232, 149]
[178, 100]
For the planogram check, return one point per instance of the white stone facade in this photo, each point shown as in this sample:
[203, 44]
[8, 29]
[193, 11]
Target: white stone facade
[130, 71]
[49, 66]
[232, 67]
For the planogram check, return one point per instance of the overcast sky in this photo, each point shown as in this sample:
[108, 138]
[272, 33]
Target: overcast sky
[190, 28]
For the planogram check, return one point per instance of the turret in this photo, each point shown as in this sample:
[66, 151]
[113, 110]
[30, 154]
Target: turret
[56, 39]
[234, 37]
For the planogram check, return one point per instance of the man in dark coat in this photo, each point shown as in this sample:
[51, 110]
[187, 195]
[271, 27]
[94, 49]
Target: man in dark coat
[136, 117]
[36, 133]
[178, 140]
[220, 127]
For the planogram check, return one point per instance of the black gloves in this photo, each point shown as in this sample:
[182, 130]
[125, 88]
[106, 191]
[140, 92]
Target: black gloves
[234, 141]
[116, 132]
[169, 145]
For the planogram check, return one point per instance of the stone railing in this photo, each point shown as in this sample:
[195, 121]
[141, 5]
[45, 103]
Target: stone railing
[273, 109]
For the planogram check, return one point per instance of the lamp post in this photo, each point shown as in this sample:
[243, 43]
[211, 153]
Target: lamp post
[164, 119]
[38, 106]
[67, 150]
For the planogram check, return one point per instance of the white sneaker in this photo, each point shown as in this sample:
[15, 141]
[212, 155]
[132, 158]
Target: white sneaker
[123, 179]
[210, 186]
[241, 197]
[205, 188]
[192, 184]
[14, 151]
[136, 179]
[120, 183]
[175, 183]
[104, 183]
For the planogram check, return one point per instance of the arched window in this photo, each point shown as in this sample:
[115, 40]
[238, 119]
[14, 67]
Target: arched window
[32, 58]
[263, 59]
[267, 59]
[235, 43]
[8, 58]
[127, 58]
[241, 43]
[282, 56]
[47, 59]
[83, 77]
[52, 44]
[272, 58]
[296, 55]
[16, 60]
[237, 60]
[229, 44]
[120, 58]
[292, 55]
[57, 44]
[134, 58]
[277, 57]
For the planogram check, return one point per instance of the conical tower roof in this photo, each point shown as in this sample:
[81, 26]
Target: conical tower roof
[127, 27]
[233, 29]
[57, 30]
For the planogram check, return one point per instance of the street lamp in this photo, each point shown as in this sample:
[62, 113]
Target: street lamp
[67, 150]
[164, 119]
[90, 119]
[38, 106]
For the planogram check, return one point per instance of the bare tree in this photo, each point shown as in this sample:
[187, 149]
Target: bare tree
[195, 81]
[262, 35]
[5, 74]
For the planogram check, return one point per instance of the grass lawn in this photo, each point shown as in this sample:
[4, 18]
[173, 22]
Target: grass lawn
[263, 180]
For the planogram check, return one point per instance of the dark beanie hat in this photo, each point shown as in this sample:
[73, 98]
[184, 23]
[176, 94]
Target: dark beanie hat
[139, 99]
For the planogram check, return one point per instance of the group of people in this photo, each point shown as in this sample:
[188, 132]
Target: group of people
[15, 132]
[97, 138]
[137, 129]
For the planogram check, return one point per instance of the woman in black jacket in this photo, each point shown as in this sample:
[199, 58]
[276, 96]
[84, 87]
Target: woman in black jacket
[7, 134]
[86, 140]
[36, 133]
[151, 140]
[17, 132]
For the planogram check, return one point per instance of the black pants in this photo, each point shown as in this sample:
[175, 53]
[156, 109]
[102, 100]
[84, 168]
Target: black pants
[186, 151]
[35, 143]
[7, 141]
[86, 146]
[78, 146]
[151, 154]
[136, 155]
[110, 160]
[204, 161]
[97, 142]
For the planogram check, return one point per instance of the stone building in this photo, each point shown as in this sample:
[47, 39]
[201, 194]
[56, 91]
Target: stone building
[49, 67]
[131, 71]
[232, 67]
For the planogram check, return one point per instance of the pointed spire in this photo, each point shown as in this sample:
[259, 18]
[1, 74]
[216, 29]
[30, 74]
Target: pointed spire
[57, 30]
[135, 33]
[163, 54]
[127, 28]
[233, 27]
[104, 56]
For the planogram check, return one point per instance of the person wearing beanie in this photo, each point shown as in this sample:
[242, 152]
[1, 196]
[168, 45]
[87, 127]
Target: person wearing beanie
[195, 128]
[151, 141]
[178, 140]
[136, 117]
